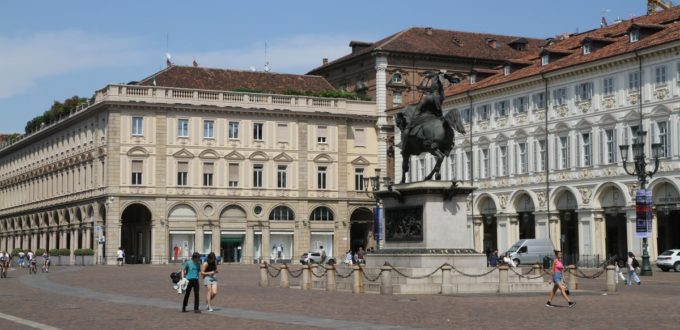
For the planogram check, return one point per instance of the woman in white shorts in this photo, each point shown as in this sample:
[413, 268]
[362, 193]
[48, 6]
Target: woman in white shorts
[209, 272]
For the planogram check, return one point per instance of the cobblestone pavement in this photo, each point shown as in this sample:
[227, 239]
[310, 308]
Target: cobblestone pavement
[109, 297]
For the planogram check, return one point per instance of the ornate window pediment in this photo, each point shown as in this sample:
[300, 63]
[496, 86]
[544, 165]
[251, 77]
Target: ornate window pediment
[184, 153]
[608, 120]
[234, 155]
[208, 154]
[283, 157]
[259, 156]
[584, 124]
[137, 152]
[361, 161]
[323, 158]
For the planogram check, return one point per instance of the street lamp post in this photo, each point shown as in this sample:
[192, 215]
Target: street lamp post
[640, 170]
[373, 183]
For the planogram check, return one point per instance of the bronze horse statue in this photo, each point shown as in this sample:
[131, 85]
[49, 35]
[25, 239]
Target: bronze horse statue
[424, 128]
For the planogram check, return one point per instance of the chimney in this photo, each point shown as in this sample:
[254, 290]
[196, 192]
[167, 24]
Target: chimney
[428, 31]
[324, 61]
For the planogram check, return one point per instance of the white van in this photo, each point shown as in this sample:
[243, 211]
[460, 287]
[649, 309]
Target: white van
[531, 251]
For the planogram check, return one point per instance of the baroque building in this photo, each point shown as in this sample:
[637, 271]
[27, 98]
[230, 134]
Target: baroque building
[543, 136]
[180, 162]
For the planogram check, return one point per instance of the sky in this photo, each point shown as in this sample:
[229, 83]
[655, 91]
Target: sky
[52, 50]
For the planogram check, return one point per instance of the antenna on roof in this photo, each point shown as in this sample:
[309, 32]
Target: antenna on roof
[267, 68]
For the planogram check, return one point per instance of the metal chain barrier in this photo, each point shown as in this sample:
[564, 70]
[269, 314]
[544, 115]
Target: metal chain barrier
[321, 275]
[369, 278]
[526, 275]
[344, 276]
[278, 272]
[470, 275]
[292, 273]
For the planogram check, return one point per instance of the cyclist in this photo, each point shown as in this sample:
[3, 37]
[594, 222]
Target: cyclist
[32, 267]
[46, 262]
[22, 257]
[4, 264]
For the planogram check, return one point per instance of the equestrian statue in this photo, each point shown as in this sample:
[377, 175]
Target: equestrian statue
[423, 126]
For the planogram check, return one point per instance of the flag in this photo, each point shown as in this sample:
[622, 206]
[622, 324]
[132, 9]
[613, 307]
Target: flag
[195, 64]
[603, 23]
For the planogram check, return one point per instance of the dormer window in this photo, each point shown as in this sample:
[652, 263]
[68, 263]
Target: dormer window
[396, 78]
[545, 59]
[586, 48]
[634, 35]
[506, 70]
[473, 78]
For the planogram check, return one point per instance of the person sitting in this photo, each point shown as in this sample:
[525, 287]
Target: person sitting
[493, 258]
[507, 259]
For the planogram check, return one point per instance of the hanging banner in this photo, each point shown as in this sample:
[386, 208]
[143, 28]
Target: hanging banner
[644, 214]
[378, 221]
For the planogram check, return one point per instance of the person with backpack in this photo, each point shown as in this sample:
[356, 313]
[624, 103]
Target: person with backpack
[633, 265]
[190, 272]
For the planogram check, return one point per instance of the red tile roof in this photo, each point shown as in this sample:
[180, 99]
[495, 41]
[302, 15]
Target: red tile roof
[418, 40]
[226, 80]
[669, 19]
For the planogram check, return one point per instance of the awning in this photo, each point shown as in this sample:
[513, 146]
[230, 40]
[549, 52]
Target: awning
[329, 233]
[281, 233]
[183, 232]
[233, 232]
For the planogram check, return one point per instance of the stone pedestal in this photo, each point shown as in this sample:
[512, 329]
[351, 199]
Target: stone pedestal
[426, 226]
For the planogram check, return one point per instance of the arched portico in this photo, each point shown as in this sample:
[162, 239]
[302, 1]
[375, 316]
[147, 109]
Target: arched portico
[567, 230]
[135, 235]
[488, 235]
[361, 222]
[666, 196]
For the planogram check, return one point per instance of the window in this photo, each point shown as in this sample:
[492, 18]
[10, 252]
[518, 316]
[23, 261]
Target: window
[502, 161]
[452, 166]
[662, 136]
[522, 158]
[282, 132]
[539, 100]
[545, 59]
[467, 172]
[473, 78]
[208, 169]
[137, 166]
[359, 137]
[257, 175]
[540, 156]
[634, 81]
[281, 176]
[608, 86]
[583, 91]
[233, 130]
[483, 112]
[521, 104]
[182, 173]
[321, 177]
[396, 78]
[183, 127]
[634, 35]
[506, 70]
[321, 214]
[484, 170]
[321, 134]
[233, 175]
[208, 129]
[564, 152]
[660, 75]
[420, 170]
[465, 115]
[502, 108]
[137, 125]
[560, 96]
[396, 98]
[608, 146]
[586, 149]
[282, 213]
[359, 179]
[257, 131]
[586, 48]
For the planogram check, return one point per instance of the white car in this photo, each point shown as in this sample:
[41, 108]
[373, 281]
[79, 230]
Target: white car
[669, 259]
[308, 258]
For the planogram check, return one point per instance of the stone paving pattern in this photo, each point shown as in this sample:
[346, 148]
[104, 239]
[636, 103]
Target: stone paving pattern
[653, 304]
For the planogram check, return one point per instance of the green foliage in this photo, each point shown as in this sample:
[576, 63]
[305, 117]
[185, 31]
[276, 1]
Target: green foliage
[64, 252]
[330, 94]
[84, 252]
[54, 252]
[39, 252]
[15, 252]
[57, 111]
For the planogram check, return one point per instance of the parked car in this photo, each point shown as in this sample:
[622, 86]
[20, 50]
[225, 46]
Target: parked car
[531, 251]
[669, 259]
[315, 258]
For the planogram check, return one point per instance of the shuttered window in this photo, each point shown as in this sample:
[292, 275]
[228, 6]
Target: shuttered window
[208, 169]
[321, 134]
[137, 166]
[233, 175]
[282, 132]
[182, 173]
[359, 137]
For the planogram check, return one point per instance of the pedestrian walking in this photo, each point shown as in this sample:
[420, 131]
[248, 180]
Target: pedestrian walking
[209, 272]
[619, 273]
[120, 254]
[22, 257]
[632, 265]
[493, 258]
[190, 272]
[557, 271]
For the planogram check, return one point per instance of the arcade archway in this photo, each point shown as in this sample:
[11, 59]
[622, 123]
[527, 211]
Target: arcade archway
[525, 217]
[613, 202]
[667, 203]
[487, 208]
[361, 221]
[135, 234]
[567, 206]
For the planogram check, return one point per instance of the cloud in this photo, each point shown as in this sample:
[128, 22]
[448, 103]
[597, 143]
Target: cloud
[27, 59]
[297, 54]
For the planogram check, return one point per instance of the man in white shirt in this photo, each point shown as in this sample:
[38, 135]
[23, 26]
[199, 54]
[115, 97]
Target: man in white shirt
[120, 257]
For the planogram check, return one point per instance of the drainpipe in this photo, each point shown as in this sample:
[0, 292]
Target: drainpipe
[547, 157]
[472, 176]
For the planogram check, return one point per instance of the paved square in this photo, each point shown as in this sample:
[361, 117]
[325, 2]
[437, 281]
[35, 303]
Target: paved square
[109, 297]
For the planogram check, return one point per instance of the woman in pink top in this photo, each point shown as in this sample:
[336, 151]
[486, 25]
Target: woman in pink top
[557, 270]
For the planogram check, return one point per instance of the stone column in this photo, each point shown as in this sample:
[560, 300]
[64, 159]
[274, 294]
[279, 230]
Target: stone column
[478, 230]
[513, 229]
[555, 232]
[86, 237]
[381, 107]
[217, 239]
[72, 247]
[247, 249]
[198, 239]
[266, 250]
[600, 235]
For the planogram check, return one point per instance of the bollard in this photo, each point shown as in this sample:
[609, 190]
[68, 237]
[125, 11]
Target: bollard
[447, 288]
[313, 270]
[330, 278]
[611, 278]
[536, 269]
[386, 280]
[306, 283]
[264, 277]
[285, 283]
[503, 286]
[357, 280]
[573, 285]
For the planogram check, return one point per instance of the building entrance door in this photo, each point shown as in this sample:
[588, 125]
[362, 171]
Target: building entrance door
[360, 226]
[616, 237]
[231, 248]
[668, 224]
[569, 236]
[135, 234]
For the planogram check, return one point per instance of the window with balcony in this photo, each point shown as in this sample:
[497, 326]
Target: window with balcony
[182, 173]
[257, 175]
[281, 176]
[183, 127]
[208, 170]
[321, 177]
[359, 179]
[137, 126]
[608, 86]
[137, 167]
[586, 154]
